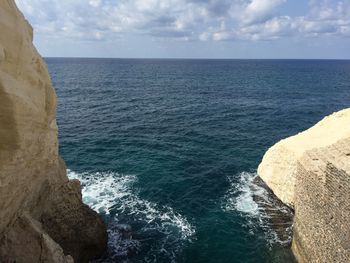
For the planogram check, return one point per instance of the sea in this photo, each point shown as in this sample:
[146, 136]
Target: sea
[167, 149]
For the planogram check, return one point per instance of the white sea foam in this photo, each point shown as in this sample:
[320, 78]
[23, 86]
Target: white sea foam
[112, 193]
[101, 191]
[242, 196]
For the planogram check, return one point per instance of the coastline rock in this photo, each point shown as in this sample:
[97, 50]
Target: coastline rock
[311, 172]
[62, 220]
[40, 209]
[26, 241]
[278, 168]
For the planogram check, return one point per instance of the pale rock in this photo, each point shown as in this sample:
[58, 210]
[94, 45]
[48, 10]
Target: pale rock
[278, 166]
[32, 176]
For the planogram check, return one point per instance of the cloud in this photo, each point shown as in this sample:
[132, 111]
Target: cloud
[195, 20]
[95, 3]
[259, 22]
[274, 28]
[259, 11]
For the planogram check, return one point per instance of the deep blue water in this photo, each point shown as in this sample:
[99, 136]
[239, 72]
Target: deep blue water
[166, 149]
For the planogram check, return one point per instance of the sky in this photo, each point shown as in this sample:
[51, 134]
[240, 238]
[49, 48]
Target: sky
[249, 29]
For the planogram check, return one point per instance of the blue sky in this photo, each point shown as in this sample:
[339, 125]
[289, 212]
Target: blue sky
[190, 28]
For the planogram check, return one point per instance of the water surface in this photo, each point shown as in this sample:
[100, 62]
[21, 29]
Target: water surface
[167, 149]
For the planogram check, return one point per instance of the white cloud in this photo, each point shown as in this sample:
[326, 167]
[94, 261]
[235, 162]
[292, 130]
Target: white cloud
[274, 28]
[202, 20]
[95, 3]
[258, 11]
[323, 19]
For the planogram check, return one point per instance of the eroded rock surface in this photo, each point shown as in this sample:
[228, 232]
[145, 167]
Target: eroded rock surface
[40, 209]
[322, 205]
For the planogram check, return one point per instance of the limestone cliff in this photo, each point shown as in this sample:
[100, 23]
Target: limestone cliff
[42, 217]
[311, 172]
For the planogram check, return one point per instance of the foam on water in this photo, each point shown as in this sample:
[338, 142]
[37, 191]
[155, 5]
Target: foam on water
[240, 196]
[114, 195]
[259, 207]
[101, 191]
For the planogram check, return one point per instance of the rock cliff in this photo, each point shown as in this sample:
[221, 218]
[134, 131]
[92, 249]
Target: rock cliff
[311, 173]
[42, 217]
[279, 165]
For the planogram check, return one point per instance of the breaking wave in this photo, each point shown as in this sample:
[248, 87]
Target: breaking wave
[264, 212]
[132, 219]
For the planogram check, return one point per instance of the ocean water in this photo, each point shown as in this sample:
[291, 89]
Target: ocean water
[167, 150]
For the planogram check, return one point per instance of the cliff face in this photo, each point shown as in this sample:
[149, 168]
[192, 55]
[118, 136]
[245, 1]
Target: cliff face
[311, 173]
[42, 216]
[322, 204]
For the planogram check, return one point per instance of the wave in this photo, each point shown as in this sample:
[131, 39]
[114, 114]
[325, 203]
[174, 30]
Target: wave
[158, 227]
[264, 212]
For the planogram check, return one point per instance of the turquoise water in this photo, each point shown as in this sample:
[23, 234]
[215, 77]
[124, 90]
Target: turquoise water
[167, 149]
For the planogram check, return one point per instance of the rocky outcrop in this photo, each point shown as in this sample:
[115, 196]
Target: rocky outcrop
[311, 173]
[42, 217]
[72, 224]
[26, 241]
[279, 165]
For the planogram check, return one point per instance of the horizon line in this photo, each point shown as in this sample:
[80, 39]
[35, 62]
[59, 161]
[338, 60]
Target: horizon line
[175, 58]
